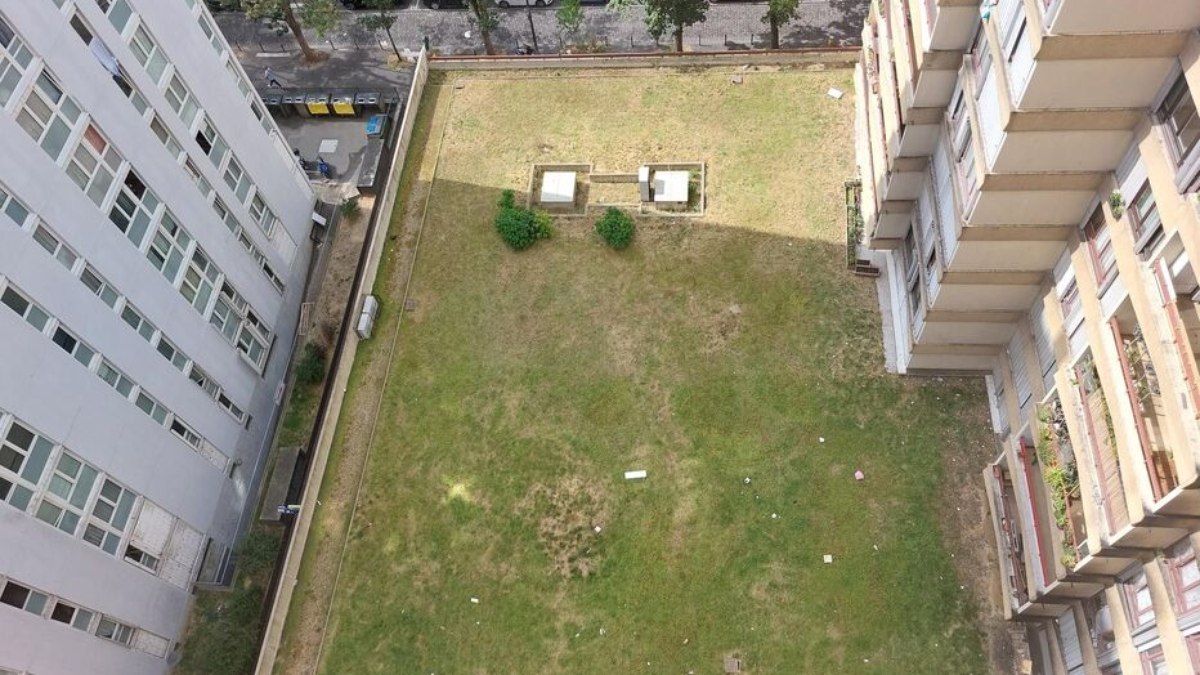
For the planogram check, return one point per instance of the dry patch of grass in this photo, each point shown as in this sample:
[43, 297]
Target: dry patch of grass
[570, 516]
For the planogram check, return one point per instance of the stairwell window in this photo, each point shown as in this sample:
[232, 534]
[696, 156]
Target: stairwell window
[1180, 121]
[1100, 249]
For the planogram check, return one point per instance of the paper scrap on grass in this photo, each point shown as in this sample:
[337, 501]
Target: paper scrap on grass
[632, 475]
[828, 559]
[835, 93]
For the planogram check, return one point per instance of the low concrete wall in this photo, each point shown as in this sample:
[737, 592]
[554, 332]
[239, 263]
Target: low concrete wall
[339, 375]
[834, 57]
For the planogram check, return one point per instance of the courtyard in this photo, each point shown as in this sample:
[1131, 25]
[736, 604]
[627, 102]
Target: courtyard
[729, 356]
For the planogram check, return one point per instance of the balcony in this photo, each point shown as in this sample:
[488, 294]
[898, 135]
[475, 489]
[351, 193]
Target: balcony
[1100, 446]
[1093, 54]
[1089, 17]
[1145, 399]
[924, 78]
[943, 25]
[1060, 475]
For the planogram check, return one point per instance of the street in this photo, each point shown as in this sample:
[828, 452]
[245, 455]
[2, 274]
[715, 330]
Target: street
[729, 26]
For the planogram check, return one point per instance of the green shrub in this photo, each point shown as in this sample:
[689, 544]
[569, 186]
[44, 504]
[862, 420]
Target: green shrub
[350, 207]
[310, 369]
[519, 227]
[615, 227]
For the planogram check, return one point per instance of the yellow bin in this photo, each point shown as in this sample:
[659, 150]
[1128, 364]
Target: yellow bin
[318, 105]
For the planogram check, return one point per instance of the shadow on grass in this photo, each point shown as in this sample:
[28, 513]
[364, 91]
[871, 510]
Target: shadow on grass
[706, 353]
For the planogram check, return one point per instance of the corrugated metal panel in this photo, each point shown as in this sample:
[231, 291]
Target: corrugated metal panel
[1069, 636]
[1042, 344]
[1022, 385]
[179, 559]
[150, 643]
[153, 529]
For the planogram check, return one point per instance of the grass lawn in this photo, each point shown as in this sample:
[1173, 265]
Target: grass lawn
[710, 352]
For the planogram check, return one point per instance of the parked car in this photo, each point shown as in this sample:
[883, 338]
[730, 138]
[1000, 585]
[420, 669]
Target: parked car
[523, 3]
[363, 4]
[444, 4]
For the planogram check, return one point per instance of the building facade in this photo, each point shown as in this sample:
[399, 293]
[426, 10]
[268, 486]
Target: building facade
[154, 247]
[1031, 192]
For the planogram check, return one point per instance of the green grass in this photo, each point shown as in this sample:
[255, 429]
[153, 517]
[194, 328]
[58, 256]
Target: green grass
[708, 352]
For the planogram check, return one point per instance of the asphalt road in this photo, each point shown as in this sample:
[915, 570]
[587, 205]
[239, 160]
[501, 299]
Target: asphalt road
[729, 26]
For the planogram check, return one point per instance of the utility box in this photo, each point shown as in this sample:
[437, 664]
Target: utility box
[366, 319]
[644, 182]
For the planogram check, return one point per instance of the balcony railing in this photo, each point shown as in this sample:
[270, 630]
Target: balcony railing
[1141, 381]
[1061, 474]
[1012, 543]
[1102, 444]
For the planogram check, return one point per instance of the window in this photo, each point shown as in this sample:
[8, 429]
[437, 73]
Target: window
[199, 281]
[201, 182]
[912, 262]
[211, 142]
[202, 380]
[151, 407]
[110, 515]
[65, 496]
[171, 353]
[137, 556]
[165, 138]
[147, 53]
[228, 406]
[236, 179]
[93, 165]
[1072, 309]
[115, 378]
[23, 597]
[14, 59]
[110, 629]
[1137, 600]
[1100, 249]
[1154, 662]
[134, 208]
[181, 100]
[23, 458]
[75, 617]
[185, 433]
[99, 286]
[46, 239]
[1143, 216]
[48, 115]
[138, 322]
[214, 38]
[261, 214]
[1180, 121]
[13, 208]
[981, 56]
[1185, 578]
[168, 247]
[73, 346]
[239, 324]
[118, 13]
[35, 316]
[225, 216]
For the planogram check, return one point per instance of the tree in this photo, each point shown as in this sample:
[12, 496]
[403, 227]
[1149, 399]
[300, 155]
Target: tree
[570, 17]
[675, 15]
[487, 20]
[380, 19]
[319, 15]
[779, 12]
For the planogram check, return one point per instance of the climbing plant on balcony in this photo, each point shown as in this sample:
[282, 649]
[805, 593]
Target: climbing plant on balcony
[1061, 477]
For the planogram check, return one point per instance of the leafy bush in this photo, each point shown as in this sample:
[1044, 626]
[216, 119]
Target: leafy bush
[310, 369]
[258, 552]
[519, 227]
[615, 227]
[350, 207]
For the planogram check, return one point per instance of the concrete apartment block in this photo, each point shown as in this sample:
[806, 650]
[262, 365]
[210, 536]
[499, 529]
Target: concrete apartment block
[154, 246]
[1031, 192]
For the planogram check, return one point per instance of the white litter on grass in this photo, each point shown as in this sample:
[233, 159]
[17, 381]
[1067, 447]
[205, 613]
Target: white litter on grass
[633, 475]
[746, 480]
[859, 475]
[474, 601]
[597, 529]
[774, 516]
[828, 559]
[835, 93]
[820, 439]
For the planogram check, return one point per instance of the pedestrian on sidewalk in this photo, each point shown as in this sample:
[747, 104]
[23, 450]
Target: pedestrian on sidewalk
[272, 81]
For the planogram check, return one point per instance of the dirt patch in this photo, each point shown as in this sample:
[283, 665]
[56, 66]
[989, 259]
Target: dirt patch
[570, 516]
[721, 326]
[966, 529]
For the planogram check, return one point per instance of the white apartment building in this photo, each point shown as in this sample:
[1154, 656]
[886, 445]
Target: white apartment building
[1031, 192]
[153, 252]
